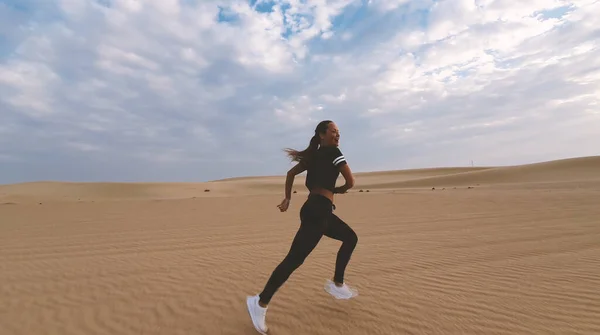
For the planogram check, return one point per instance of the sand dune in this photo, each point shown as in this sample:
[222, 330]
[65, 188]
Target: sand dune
[567, 170]
[505, 257]
[73, 191]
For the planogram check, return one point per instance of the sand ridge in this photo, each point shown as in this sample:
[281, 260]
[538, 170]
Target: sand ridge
[565, 170]
[516, 254]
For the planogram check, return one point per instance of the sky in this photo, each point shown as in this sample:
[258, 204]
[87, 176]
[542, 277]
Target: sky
[198, 90]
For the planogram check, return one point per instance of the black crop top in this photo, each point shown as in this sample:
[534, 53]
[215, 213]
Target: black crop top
[323, 168]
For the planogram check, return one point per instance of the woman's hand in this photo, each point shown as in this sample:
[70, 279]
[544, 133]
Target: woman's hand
[283, 206]
[340, 190]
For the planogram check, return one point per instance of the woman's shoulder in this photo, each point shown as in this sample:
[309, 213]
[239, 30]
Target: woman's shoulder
[331, 151]
[333, 154]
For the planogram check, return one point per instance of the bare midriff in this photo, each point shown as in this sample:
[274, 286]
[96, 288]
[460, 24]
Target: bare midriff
[324, 192]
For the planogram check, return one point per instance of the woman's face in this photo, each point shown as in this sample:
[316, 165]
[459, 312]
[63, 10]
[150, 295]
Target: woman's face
[331, 136]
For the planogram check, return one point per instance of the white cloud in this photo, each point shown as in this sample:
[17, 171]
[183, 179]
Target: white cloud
[388, 5]
[28, 85]
[182, 90]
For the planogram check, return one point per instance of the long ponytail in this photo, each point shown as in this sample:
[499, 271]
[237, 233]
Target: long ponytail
[313, 146]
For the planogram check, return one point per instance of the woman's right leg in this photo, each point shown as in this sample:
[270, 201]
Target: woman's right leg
[308, 236]
[339, 230]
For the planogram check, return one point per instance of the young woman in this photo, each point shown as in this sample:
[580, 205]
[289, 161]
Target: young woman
[323, 162]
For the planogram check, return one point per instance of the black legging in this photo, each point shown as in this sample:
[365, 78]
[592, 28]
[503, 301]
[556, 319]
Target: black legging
[316, 219]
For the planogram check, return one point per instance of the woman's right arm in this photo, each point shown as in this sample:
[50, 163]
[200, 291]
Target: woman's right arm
[289, 180]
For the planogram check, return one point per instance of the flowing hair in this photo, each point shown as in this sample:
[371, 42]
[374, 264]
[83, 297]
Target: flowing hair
[306, 154]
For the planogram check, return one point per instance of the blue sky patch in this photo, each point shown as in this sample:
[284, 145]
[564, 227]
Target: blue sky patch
[555, 13]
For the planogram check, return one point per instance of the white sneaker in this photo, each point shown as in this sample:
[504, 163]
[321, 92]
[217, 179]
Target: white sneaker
[257, 314]
[343, 292]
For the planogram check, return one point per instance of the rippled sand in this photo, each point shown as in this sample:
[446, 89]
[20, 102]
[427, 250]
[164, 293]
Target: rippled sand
[510, 250]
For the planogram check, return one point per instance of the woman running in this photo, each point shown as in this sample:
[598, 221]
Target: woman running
[323, 162]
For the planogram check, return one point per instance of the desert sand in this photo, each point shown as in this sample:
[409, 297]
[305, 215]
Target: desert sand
[483, 250]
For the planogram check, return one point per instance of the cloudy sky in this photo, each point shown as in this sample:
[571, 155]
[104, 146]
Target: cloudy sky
[196, 90]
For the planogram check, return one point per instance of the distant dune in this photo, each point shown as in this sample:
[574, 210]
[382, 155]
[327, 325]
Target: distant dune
[565, 170]
[574, 169]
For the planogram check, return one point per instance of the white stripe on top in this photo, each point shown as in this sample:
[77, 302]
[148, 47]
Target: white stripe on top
[338, 160]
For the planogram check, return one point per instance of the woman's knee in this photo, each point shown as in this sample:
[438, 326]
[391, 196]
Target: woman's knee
[352, 238]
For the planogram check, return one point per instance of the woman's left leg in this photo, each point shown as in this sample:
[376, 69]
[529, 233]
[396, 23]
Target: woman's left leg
[306, 239]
